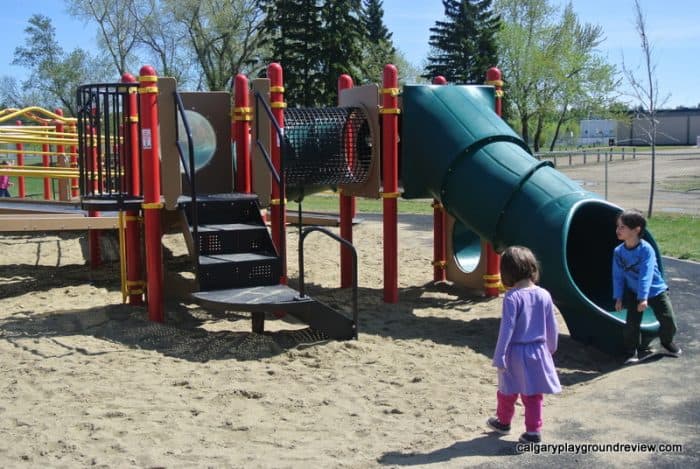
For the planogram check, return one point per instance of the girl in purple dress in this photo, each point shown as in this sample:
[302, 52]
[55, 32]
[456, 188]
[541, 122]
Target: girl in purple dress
[526, 340]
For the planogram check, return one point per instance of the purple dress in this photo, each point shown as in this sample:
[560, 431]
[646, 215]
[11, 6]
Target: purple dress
[526, 340]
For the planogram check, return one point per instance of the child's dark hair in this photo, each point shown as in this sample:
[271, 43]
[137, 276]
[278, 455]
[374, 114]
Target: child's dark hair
[518, 263]
[633, 219]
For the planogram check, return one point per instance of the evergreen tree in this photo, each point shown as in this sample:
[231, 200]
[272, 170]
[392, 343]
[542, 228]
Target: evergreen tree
[294, 27]
[379, 49]
[343, 37]
[463, 45]
[315, 41]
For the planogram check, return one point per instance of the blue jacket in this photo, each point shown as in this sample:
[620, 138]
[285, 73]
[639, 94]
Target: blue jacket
[636, 269]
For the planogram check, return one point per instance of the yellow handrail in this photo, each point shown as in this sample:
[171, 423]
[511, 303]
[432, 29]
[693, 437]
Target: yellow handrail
[11, 113]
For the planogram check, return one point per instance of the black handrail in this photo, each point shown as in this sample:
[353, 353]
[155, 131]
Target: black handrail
[302, 294]
[190, 172]
[278, 177]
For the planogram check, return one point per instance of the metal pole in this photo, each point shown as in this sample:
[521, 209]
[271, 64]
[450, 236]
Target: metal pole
[492, 279]
[346, 201]
[277, 203]
[439, 223]
[390, 128]
[150, 146]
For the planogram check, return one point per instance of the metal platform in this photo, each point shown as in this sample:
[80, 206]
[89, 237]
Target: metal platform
[254, 299]
[281, 298]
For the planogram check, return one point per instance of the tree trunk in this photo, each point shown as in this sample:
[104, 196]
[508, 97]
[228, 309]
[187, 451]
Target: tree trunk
[524, 128]
[538, 133]
[560, 122]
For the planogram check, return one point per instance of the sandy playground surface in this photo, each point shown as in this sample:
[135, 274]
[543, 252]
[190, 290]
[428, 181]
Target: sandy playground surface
[87, 381]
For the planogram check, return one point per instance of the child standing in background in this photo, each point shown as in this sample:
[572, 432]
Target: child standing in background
[527, 338]
[5, 182]
[638, 284]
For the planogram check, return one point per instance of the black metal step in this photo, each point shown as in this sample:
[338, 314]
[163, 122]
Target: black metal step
[220, 271]
[234, 238]
[278, 298]
[224, 208]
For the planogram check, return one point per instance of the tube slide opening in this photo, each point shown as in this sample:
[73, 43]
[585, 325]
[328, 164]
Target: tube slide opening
[466, 246]
[589, 252]
[589, 248]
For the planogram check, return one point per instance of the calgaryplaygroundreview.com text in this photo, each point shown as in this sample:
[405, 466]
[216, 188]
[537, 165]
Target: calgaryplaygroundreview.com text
[585, 448]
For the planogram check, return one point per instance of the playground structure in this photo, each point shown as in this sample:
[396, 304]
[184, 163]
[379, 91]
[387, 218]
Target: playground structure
[57, 137]
[53, 138]
[488, 192]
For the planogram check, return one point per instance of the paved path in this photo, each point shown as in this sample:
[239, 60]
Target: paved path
[629, 182]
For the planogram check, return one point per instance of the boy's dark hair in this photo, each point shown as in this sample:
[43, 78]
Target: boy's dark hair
[633, 219]
[518, 263]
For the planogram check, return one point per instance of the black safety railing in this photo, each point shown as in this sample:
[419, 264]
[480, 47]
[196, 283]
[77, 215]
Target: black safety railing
[189, 166]
[302, 287]
[105, 168]
[278, 177]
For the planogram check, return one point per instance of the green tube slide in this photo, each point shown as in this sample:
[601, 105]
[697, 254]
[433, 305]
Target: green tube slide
[456, 149]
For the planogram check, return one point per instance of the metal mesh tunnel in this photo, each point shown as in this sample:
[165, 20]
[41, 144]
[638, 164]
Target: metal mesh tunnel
[326, 147]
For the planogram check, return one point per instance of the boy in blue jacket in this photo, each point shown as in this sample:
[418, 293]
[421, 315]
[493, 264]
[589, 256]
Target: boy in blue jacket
[638, 284]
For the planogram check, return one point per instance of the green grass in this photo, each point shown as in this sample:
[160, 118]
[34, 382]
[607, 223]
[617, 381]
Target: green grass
[329, 203]
[687, 183]
[34, 187]
[677, 235]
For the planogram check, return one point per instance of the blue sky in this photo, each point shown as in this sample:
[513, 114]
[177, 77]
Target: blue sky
[672, 27]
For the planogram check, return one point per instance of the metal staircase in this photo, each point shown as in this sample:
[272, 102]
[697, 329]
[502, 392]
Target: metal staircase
[238, 268]
[237, 265]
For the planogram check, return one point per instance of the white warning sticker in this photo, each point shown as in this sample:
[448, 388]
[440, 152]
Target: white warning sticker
[146, 142]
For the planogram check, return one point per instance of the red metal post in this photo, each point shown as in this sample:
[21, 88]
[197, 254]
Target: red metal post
[152, 205]
[134, 279]
[278, 215]
[133, 160]
[21, 186]
[439, 224]
[61, 158]
[390, 164]
[242, 116]
[346, 202]
[492, 279]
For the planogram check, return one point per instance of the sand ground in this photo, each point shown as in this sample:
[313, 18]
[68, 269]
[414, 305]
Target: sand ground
[89, 382]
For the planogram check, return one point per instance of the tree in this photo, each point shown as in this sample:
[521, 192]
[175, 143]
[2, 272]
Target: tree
[549, 65]
[206, 41]
[582, 79]
[646, 92]
[53, 73]
[464, 45]
[224, 35]
[161, 41]
[118, 31]
[14, 95]
[341, 43]
[378, 46]
[294, 29]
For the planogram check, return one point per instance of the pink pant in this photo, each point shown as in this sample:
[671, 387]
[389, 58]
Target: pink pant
[533, 410]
